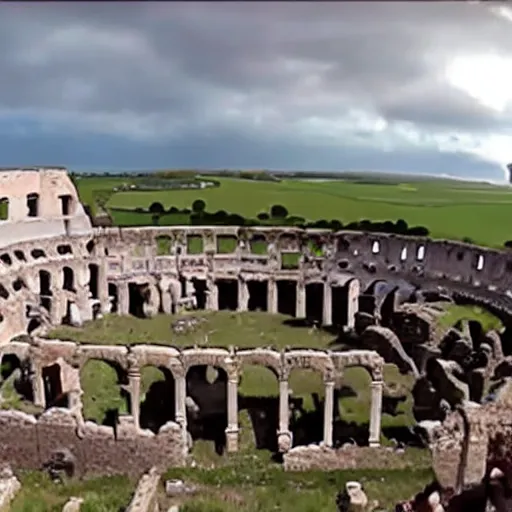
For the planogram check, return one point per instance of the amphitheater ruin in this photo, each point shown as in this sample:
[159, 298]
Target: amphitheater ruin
[56, 268]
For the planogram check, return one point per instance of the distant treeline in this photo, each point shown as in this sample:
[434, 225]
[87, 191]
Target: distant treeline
[277, 216]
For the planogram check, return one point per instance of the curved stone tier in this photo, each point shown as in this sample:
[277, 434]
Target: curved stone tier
[55, 268]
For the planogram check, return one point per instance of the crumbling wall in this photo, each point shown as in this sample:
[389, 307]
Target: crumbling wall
[50, 188]
[323, 458]
[28, 443]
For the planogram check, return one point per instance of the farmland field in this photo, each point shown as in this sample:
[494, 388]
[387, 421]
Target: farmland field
[449, 209]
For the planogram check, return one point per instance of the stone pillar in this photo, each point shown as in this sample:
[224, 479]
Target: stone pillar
[353, 292]
[103, 289]
[212, 302]
[232, 429]
[180, 395]
[166, 302]
[327, 309]
[243, 295]
[284, 436]
[180, 407]
[272, 296]
[134, 386]
[58, 307]
[300, 310]
[123, 298]
[36, 377]
[328, 412]
[376, 412]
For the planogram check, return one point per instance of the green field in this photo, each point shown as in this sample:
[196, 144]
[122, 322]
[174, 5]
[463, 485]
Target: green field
[449, 209]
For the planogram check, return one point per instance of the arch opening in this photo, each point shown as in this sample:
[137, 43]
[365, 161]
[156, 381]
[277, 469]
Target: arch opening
[113, 297]
[4, 208]
[104, 400]
[54, 397]
[306, 406]
[258, 295]
[157, 405]
[15, 384]
[207, 404]
[68, 279]
[315, 302]
[33, 205]
[258, 407]
[287, 297]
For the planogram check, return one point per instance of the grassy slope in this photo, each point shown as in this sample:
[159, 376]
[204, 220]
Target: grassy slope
[453, 210]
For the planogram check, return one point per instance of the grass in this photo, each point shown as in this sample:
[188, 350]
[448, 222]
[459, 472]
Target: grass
[454, 313]
[290, 260]
[252, 330]
[39, 494]
[448, 209]
[195, 244]
[249, 482]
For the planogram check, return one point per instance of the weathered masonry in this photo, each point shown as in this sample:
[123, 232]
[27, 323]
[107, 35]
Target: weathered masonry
[70, 358]
[56, 268]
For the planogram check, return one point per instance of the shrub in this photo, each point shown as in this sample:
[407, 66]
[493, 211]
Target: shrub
[278, 211]
[156, 209]
[263, 216]
[198, 206]
[418, 231]
[401, 226]
[508, 244]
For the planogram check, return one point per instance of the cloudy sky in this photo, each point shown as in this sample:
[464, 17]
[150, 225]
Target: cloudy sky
[407, 87]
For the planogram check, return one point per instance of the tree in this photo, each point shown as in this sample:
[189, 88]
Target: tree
[508, 244]
[198, 206]
[401, 226]
[263, 216]
[278, 211]
[157, 209]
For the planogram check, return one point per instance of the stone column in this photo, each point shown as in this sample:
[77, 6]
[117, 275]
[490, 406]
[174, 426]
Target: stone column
[284, 436]
[376, 412]
[123, 298]
[180, 395]
[232, 429]
[103, 288]
[243, 295]
[180, 407]
[36, 377]
[328, 412]
[272, 296]
[212, 302]
[134, 387]
[300, 310]
[327, 309]
[58, 307]
[353, 292]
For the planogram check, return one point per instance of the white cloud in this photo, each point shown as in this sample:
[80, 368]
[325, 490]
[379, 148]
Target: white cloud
[426, 76]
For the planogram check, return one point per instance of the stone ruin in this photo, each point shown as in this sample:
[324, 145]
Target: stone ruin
[382, 293]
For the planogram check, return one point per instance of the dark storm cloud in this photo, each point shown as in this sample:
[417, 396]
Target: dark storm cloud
[321, 74]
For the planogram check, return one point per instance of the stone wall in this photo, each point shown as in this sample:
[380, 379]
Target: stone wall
[29, 443]
[40, 353]
[310, 458]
